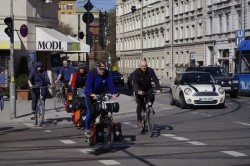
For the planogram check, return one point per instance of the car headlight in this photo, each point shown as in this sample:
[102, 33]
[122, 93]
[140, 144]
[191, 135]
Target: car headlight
[187, 91]
[222, 82]
[221, 90]
[229, 82]
[235, 81]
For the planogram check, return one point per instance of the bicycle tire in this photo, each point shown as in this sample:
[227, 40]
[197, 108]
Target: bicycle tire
[108, 136]
[1, 102]
[40, 113]
[59, 101]
[144, 122]
[150, 121]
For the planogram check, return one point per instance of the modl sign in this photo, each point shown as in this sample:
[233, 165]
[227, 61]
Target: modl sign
[50, 45]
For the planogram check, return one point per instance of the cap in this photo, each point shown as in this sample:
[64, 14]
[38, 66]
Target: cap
[81, 65]
[101, 64]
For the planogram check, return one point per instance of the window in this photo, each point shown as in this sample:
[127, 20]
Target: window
[220, 23]
[239, 26]
[227, 22]
[211, 25]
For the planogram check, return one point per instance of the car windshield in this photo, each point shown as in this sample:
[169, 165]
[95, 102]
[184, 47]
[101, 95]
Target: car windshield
[197, 78]
[115, 73]
[216, 71]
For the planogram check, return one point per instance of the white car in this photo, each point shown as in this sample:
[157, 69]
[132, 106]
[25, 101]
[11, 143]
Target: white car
[196, 89]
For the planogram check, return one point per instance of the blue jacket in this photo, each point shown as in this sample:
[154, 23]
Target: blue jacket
[66, 72]
[96, 83]
[38, 78]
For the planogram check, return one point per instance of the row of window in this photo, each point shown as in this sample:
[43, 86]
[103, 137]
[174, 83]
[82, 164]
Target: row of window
[132, 63]
[68, 6]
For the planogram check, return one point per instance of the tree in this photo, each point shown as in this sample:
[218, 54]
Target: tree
[65, 29]
[111, 34]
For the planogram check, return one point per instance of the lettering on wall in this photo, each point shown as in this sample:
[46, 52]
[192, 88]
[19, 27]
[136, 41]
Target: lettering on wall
[50, 45]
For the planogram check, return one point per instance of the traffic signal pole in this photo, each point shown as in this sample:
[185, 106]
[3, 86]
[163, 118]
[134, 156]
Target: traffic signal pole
[87, 36]
[12, 71]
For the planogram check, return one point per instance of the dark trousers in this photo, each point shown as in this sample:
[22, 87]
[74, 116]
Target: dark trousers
[141, 105]
[90, 111]
[35, 94]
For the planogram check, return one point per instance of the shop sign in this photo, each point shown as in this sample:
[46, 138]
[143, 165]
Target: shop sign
[50, 45]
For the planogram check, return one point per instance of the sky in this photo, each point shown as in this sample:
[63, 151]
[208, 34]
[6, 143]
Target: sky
[99, 4]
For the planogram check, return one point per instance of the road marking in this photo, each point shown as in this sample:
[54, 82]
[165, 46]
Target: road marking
[134, 125]
[48, 131]
[234, 153]
[67, 141]
[181, 138]
[109, 162]
[229, 103]
[247, 124]
[126, 123]
[196, 143]
[206, 115]
[194, 113]
[29, 124]
[86, 150]
[168, 135]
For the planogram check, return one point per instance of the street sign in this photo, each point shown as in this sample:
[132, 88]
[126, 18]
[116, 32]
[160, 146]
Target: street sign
[240, 36]
[23, 30]
[88, 6]
[85, 17]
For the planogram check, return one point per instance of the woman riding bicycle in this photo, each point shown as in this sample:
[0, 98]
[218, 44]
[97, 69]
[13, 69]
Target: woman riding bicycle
[142, 83]
[38, 78]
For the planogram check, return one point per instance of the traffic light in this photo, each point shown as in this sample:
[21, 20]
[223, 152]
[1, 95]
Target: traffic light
[9, 29]
[80, 35]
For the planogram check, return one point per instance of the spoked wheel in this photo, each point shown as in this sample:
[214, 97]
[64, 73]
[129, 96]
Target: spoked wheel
[40, 113]
[1, 103]
[144, 123]
[59, 101]
[150, 120]
[108, 136]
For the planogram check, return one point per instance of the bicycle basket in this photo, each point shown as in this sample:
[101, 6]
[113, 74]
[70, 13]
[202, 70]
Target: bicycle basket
[107, 106]
[80, 92]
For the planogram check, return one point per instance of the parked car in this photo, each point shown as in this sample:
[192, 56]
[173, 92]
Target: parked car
[196, 89]
[117, 77]
[130, 80]
[221, 77]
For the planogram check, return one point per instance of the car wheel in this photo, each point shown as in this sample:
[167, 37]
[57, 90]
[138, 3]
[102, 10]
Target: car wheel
[171, 99]
[222, 105]
[234, 94]
[183, 103]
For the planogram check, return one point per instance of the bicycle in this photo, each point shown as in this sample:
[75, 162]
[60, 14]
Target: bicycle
[148, 115]
[1, 99]
[102, 129]
[59, 100]
[40, 106]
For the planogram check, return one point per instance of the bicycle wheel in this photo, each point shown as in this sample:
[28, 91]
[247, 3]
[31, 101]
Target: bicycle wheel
[59, 101]
[150, 121]
[144, 122]
[40, 113]
[1, 102]
[108, 136]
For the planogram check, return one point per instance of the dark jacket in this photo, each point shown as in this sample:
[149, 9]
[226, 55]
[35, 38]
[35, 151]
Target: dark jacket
[79, 79]
[142, 80]
[38, 78]
[96, 83]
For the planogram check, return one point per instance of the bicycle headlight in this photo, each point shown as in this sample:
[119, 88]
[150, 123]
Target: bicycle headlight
[235, 81]
[187, 91]
[221, 90]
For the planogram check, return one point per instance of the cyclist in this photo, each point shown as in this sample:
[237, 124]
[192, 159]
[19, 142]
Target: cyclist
[97, 79]
[38, 77]
[66, 73]
[79, 77]
[142, 83]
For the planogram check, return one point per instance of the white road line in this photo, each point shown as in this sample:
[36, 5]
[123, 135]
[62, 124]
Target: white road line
[126, 123]
[206, 115]
[109, 162]
[29, 124]
[67, 141]
[194, 113]
[181, 138]
[247, 124]
[234, 153]
[196, 143]
[134, 125]
[86, 150]
[229, 103]
[48, 131]
[168, 135]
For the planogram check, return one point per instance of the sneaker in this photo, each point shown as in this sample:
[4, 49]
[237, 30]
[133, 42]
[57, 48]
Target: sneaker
[139, 123]
[33, 118]
[87, 133]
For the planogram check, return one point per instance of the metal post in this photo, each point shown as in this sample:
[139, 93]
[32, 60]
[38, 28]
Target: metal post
[87, 37]
[12, 71]
[78, 30]
[141, 29]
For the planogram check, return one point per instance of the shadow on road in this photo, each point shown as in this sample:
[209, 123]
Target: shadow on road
[158, 129]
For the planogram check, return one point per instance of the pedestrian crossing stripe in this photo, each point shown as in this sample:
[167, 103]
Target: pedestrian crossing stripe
[67, 141]
[86, 150]
[234, 153]
[196, 143]
[109, 162]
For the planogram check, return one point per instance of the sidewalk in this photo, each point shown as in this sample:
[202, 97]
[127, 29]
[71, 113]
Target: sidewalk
[23, 111]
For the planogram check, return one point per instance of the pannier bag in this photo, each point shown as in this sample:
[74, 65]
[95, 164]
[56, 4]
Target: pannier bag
[79, 103]
[80, 92]
[96, 133]
[107, 106]
[117, 132]
[69, 102]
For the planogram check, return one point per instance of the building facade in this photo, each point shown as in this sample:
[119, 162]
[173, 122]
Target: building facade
[179, 33]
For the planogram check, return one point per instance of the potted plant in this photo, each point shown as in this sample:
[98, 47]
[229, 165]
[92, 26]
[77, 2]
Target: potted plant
[22, 87]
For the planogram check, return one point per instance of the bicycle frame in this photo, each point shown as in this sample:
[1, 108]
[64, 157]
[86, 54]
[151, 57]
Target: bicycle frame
[59, 101]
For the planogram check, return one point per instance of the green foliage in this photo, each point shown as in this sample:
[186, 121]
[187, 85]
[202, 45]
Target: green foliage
[22, 81]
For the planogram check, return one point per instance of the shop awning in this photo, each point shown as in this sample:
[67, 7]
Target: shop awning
[48, 39]
[244, 46]
[5, 40]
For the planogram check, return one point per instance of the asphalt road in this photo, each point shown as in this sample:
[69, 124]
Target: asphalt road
[191, 137]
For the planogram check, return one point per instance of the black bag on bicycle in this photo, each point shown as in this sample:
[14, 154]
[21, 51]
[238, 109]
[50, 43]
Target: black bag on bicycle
[107, 106]
[117, 132]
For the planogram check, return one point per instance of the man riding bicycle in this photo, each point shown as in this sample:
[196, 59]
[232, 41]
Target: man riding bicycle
[97, 79]
[142, 83]
[38, 78]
